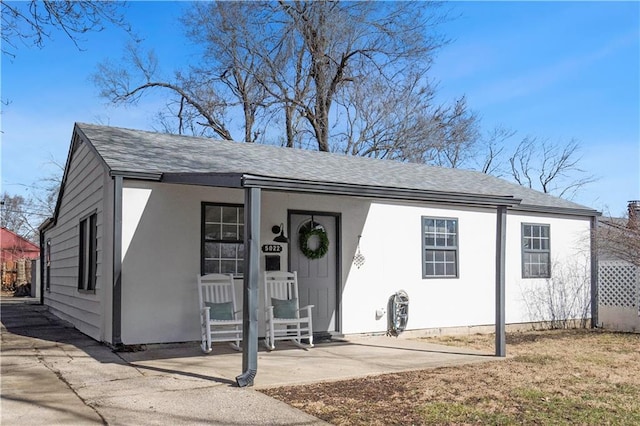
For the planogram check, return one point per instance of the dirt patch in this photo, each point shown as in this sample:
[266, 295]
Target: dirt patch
[549, 377]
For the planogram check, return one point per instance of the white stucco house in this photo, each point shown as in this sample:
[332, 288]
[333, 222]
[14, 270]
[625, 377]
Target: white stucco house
[140, 214]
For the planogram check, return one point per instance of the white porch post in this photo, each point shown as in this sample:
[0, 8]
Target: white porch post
[501, 237]
[250, 287]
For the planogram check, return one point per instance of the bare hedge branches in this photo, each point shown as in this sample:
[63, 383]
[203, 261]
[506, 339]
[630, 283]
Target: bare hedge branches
[564, 300]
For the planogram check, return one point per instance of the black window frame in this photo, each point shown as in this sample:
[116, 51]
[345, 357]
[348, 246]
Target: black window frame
[445, 249]
[531, 250]
[88, 253]
[238, 241]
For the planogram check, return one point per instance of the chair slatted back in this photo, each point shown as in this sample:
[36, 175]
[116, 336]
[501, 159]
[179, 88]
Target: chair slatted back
[280, 285]
[216, 288]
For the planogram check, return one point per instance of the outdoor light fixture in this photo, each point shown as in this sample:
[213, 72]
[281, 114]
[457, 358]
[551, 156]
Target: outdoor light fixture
[280, 238]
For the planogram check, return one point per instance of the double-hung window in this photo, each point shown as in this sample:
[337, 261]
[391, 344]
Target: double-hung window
[536, 253]
[87, 258]
[222, 239]
[439, 247]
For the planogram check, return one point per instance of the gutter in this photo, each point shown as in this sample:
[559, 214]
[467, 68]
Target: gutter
[370, 191]
[556, 210]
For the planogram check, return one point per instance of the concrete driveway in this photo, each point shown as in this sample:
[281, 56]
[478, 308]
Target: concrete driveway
[53, 374]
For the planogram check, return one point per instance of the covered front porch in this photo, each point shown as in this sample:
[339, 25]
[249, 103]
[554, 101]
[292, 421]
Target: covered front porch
[167, 313]
[348, 358]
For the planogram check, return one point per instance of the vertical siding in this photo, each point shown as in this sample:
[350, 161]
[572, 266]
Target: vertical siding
[83, 194]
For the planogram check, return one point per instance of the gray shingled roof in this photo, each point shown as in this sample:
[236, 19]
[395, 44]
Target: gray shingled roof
[137, 151]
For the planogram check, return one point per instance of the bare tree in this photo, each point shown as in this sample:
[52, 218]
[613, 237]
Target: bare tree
[619, 238]
[345, 43]
[32, 22]
[548, 167]
[15, 215]
[458, 135]
[230, 34]
[23, 215]
[299, 63]
[194, 90]
[402, 127]
[490, 160]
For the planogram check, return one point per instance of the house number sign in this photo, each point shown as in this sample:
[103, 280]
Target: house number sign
[272, 248]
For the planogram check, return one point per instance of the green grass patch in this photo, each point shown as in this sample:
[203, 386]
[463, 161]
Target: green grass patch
[539, 407]
[437, 413]
[538, 359]
[594, 359]
[529, 407]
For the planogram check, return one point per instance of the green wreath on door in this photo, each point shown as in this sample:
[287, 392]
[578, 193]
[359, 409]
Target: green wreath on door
[306, 233]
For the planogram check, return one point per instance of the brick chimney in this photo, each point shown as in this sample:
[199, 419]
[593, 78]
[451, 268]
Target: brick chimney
[634, 214]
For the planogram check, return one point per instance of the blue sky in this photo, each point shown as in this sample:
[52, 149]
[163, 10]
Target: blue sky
[556, 70]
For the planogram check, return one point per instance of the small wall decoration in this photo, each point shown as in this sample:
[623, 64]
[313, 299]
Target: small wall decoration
[307, 232]
[358, 259]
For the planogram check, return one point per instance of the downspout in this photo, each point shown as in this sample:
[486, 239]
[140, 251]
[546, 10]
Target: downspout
[594, 272]
[250, 287]
[501, 239]
[116, 302]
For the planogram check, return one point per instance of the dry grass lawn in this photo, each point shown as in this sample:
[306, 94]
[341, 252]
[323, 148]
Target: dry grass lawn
[549, 377]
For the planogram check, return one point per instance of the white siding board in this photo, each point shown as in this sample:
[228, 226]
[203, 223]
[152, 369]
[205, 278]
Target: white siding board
[62, 311]
[82, 195]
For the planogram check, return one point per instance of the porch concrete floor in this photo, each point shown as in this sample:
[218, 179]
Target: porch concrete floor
[351, 357]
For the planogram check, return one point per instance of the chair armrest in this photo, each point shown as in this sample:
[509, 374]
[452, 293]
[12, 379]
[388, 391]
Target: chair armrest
[308, 309]
[204, 312]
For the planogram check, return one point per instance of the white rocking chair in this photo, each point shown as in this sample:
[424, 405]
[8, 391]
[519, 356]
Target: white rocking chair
[282, 311]
[219, 321]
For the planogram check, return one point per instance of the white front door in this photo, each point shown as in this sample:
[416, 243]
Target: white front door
[316, 277]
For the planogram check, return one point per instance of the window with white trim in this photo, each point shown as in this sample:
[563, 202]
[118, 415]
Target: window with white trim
[536, 251]
[439, 247]
[87, 257]
[222, 239]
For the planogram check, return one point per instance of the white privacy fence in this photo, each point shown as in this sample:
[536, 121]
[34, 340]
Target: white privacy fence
[619, 296]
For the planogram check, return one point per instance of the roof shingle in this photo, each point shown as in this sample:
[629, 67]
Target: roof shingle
[138, 151]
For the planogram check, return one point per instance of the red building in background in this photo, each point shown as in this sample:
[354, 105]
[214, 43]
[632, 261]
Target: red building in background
[15, 256]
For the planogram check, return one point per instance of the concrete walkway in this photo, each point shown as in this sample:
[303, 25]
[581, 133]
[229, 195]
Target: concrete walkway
[52, 374]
